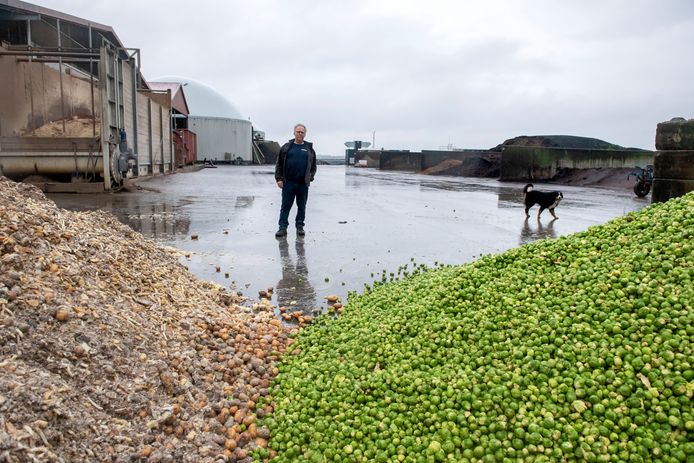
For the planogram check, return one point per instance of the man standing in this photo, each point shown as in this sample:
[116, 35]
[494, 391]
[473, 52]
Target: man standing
[294, 171]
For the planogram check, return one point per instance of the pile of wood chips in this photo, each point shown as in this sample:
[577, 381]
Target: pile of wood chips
[110, 350]
[82, 126]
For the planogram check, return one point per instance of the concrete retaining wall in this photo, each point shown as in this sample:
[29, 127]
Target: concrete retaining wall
[372, 158]
[667, 188]
[673, 173]
[413, 161]
[539, 163]
[270, 150]
[676, 134]
[673, 166]
[434, 158]
[398, 160]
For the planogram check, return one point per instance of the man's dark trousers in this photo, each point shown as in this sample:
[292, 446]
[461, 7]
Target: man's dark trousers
[290, 190]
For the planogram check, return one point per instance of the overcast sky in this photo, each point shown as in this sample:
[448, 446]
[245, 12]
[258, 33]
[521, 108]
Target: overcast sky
[423, 75]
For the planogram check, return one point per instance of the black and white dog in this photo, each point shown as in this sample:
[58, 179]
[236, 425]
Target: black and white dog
[545, 199]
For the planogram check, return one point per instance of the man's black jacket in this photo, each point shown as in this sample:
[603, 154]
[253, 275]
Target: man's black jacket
[282, 162]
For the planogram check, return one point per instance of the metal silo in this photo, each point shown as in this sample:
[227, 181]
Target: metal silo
[223, 134]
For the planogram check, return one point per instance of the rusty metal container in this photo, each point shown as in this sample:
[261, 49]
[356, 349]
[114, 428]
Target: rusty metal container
[185, 146]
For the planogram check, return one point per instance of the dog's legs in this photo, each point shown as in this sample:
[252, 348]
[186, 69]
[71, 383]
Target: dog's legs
[540, 211]
[553, 214]
[527, 214]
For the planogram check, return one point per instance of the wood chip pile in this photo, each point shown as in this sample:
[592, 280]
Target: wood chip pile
[110, 350]
[84, 126]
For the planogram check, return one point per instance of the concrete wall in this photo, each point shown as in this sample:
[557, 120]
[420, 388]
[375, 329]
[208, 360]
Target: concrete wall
[399, 160]
[539, 163]
[674, 135]
[673, 173]
[413, 161]
[372, 158]
[673, 167]
[433, 158]
[270, 150]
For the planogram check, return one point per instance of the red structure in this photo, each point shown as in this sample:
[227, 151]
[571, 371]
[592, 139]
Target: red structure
[185, 141]
[185, 147]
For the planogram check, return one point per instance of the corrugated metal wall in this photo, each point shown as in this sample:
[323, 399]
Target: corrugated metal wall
[153, 135]
[159, 153]
[144, 145]
[222, 139]
[146, 117]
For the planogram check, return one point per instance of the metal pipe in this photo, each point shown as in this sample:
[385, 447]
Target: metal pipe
[91, 82]
[116, 90]
[29, 34]
[171, 143]
[15, 47]
[31, 81]
[133, 76]
[149, 128]
[60, 72]
[139, 62]
[161, 137]
[18, 164]
[105, 120]
[54, 60]
[35, 52]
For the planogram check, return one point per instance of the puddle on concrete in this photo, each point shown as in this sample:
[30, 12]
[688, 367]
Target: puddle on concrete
[360, 223]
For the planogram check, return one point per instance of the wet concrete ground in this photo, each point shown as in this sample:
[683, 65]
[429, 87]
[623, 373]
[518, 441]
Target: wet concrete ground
[359, 223]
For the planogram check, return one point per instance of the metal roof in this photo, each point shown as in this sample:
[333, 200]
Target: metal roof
[17, 10]
[178, 96]
[203, 100]
[27, 25]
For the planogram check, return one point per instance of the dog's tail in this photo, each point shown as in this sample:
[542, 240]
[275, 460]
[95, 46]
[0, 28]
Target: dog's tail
[528, 187]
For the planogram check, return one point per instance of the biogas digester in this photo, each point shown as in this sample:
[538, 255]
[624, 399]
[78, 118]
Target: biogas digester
[573, 349]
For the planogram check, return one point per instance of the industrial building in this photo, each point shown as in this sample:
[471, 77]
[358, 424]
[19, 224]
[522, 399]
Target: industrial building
[223, 133]
[184, 140]
[74, 107]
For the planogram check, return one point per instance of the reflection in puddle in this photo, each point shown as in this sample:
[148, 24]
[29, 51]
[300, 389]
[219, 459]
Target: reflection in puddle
[538, 231]
[294, 290]
[154, 219]
[244, 201]
[157, 221]
[509, 199]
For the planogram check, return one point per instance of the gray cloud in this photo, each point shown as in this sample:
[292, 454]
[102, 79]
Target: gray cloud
[423, 76]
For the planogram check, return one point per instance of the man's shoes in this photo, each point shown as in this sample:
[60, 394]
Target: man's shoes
[281, 232]
[300, 231]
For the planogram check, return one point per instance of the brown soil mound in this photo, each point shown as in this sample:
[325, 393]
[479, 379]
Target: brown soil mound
[110, 350]
[444, 168]
[474, 166]
[615, 179]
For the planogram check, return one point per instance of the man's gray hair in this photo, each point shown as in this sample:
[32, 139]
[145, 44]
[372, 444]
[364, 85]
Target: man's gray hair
[299, 125]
